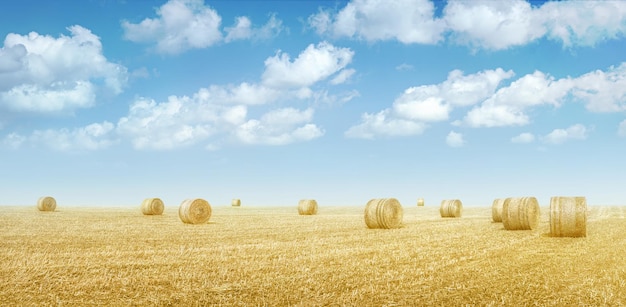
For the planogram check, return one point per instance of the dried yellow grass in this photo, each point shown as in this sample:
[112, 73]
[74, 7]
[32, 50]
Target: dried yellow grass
[385, 213]
[496, 210]
[568, 216]
[520, 213]
[420, 202]
[307, 207]
[46, 203]
[236, 202]
[451, 208]
[194, 211]
[152, 206]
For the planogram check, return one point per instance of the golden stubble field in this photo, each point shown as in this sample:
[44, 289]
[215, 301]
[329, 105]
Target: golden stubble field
[251, 256]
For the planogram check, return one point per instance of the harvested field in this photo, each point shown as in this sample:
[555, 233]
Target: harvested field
[275, 257]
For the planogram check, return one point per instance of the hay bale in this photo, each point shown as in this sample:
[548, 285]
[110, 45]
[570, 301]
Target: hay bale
[520, 213]
[307, 207]
[236, 202]
[385, 213]
[451, 208]
[568, 216]
[46, 203]
[420, 202]
[496, 210]
[194, 211]
[152, 206]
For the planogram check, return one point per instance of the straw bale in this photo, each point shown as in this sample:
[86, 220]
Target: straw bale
[520, 213]
[451, 208]
[152, 206]
[385, 213]
[568, 216]
[307, 207]
[194, 211]
[46, 203]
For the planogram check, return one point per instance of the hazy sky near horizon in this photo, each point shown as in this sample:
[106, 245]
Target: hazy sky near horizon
[108, 102]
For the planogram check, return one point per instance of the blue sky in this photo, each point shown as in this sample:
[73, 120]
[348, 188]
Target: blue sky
[109, 102]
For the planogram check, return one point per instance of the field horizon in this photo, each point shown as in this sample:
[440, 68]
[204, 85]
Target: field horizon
[271, 256]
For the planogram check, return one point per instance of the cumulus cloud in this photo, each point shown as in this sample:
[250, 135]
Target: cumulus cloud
[559, 136]
[430, 103]
[279, 127]
[181, 25]
[40, 73]
[523, 138]
[88, 138]
[243, 29]
[382, 123]
[455, 139]
[219, 111]
[491, 25]
[177, 122]
[315, 63]
[602, 91]
[408, 21]
[599, 91]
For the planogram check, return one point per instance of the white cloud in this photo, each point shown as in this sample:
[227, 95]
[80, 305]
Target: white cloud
[315, 63]
[178, 122]
[455, 139]
[621, 129]
[584, 23]
[382, 123]
[279, 127]
[480, 24]
[408, 21]
[91, 137]
[180, 25]
[243, 29]
[40, 73]
[523, 138]
[506, 107]
[342, 76]
[492, 24]
[435, 102]
[430, 103]
[559, 136]
[602, 91]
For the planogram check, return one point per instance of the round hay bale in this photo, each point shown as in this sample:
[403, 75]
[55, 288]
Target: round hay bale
[420, 202]
[307, 207]
[194, 211]
[520, 213]
[236, 202]
[152, 206]
[496, 210]
[568, 216]
[385, 213]
[46, 203]
[451, 208]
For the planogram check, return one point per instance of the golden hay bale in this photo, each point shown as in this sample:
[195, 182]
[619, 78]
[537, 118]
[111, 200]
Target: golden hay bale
[496, 210]
[307, 207]
[420, 202]
[568, 216]
[46, 203]
[385, 213]
[236, 202]
[520, 213]
[194, 211]
[451, 208]
[152, 206]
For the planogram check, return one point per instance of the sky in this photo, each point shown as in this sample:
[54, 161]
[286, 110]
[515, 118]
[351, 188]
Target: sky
[108, 102]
